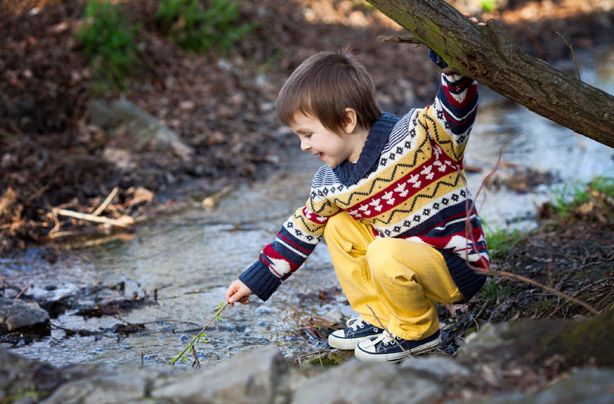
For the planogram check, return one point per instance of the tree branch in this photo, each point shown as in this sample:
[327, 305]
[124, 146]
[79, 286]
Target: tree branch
[486, 54]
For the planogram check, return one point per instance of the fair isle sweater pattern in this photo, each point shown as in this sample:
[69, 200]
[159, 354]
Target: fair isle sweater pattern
[408, 183]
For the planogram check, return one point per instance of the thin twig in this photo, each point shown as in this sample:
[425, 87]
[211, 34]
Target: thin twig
[495, 272]
[573, 54]
[400, 39]
[212, 201]
[106, 202]
[124, 221]
[405, 351]
[196, 362]
[200, 334]
[21, 292]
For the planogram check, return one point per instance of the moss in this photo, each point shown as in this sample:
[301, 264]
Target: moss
[588, 340]
[579, 342]
[29, 393]
[330, 359]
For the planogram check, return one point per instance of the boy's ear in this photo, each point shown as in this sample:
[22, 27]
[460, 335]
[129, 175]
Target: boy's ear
[351, 119]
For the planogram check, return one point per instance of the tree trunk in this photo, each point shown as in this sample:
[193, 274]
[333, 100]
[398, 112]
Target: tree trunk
[485, 54]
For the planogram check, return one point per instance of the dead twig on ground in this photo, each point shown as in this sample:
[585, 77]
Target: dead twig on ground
[213, 200]
[106, 202]
[124, 221]
[494, 272]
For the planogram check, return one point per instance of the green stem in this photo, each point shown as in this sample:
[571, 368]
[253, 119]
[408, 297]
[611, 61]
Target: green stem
[215, 316]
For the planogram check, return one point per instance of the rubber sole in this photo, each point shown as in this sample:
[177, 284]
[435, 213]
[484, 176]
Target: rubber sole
[347, 344]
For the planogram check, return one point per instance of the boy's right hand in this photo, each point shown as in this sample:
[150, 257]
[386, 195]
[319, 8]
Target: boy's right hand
[237, 292]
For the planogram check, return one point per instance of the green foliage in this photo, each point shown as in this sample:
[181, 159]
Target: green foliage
[500, 241]
[27, 394]
[197, 29]
[492, 291]
[107, 39]
[489, 5]
[200, 337]
[570, 196]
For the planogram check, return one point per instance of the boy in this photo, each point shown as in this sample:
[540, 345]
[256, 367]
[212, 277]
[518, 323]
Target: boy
[391, 203]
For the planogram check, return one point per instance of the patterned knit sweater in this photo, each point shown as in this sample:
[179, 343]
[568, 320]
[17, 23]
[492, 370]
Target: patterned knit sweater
[408, 183]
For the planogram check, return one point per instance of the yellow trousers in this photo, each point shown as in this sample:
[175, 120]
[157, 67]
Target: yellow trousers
[399, 279]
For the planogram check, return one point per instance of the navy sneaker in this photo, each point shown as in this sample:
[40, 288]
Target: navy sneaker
[356, 330]
[389, 348]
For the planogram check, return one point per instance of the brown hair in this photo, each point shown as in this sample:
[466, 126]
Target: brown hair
[323, 86]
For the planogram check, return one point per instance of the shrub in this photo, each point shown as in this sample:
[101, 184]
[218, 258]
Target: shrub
[197, 29]
[107, 39]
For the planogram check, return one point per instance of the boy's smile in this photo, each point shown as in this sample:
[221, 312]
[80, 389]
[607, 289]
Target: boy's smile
[331, 147]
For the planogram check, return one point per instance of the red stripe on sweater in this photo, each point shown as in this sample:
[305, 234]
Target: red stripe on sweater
[466, 99]
[370, 210]
[271, 252]
[293, 244]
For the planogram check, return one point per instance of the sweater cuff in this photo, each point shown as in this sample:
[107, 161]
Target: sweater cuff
[438, 60]
[260, 280]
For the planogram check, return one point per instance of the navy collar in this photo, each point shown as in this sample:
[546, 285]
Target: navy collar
[350, 173]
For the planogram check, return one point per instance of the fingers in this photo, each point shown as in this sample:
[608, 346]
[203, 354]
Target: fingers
[237, 292]
[229, 292]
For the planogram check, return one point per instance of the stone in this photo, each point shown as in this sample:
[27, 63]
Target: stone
[584, 385]
[105, 385]
[359, 382]
[122, 117]
[530, 342]
[255, 376]
[23, 377]
[438, 366]
[17, 314]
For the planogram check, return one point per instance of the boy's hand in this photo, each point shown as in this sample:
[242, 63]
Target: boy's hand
[237, 292]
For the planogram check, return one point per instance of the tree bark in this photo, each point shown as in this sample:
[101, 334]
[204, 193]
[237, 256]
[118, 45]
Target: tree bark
[485, 54]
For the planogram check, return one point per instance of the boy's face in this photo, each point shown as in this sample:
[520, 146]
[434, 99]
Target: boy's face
[331, 147]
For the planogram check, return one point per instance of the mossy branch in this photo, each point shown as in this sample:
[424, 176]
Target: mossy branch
[486, 54]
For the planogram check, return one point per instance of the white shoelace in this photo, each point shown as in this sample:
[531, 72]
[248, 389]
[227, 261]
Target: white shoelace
[386, 338]
[355, 323]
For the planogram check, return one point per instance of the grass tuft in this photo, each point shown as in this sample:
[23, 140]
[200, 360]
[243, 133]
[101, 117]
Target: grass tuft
[198, 29]
[107, 39]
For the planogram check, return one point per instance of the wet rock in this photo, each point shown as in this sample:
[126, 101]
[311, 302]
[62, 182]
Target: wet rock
[257, 376]
[357, 382]
[437, 366]
[22, 378]
[595, 386]
[97, 384]
[17, 314]
[539, 344]
[123, 117]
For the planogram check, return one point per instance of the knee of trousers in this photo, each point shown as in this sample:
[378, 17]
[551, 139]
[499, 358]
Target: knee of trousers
[380, 256]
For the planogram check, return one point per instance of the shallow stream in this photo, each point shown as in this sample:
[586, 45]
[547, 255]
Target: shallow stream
[188, 259]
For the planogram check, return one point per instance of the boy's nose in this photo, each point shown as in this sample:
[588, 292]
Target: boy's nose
[305, 146]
